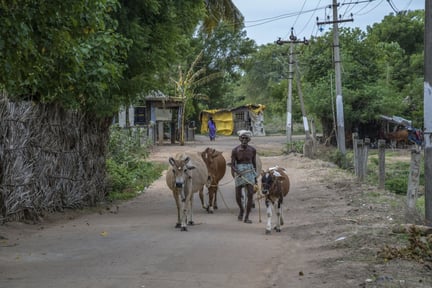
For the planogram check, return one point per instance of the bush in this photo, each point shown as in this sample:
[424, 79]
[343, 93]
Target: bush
[128, 171]
[295, 146]
[397, 185]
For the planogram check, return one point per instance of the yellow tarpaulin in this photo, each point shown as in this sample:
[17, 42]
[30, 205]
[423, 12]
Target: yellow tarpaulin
[224, 118]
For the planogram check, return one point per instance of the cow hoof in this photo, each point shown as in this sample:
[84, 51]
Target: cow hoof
[268, 232]
[215, 207]
[210, 211]
[191, 223]
[277, 229]
[178, 225]
[248, 221]
[183, 229]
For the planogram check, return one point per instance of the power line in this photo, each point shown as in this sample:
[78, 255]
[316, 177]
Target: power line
[279, 17]
[393, 6]
[309, 21]
[295, 21]
[368, 11]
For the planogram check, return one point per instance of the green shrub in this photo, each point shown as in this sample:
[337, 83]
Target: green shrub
[295, 146]
[397, 185]
[128, 172]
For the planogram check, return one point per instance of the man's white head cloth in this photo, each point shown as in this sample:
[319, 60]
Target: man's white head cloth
[244, 133]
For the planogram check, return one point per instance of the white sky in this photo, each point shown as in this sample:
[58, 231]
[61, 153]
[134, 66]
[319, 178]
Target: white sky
[267, 20]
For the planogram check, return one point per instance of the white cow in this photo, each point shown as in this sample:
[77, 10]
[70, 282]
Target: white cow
[187, 175]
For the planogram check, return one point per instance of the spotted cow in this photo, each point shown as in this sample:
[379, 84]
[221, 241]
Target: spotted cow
[275, 185]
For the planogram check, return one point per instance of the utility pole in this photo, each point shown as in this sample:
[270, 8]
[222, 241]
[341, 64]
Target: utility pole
[339, 99]
[293, 40]
[428, 110]
[305, 121]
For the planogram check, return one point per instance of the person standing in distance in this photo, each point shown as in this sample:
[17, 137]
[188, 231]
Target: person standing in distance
[243, 168]
[211, 125]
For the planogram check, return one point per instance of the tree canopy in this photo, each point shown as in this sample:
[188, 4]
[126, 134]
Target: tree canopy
[64, 52]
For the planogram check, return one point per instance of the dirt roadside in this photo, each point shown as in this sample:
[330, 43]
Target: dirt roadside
[333, 229]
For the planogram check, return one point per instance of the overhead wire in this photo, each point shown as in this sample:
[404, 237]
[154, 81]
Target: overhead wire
[393, 6]
[368, 11]
[301, 10]
[278, 17]
[310, 19]
[350, 9]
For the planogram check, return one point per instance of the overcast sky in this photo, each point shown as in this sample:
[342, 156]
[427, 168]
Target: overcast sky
[267, 20]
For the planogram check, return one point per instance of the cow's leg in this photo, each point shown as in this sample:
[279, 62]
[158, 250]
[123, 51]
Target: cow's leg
[269, 216]
[211, 191]
[281, 210]
[201, 196]
[190, 222]
[278, 216]
[176, 198]
[215, 197]
[184, 216]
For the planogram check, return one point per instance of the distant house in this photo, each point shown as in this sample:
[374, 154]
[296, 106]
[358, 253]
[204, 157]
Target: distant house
[159, 115]
[229, 121]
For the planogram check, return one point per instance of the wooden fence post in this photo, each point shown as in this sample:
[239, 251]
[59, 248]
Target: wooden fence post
[365, 155]
[381, 164]
[360, 159]
[413, 180]
[355, 152]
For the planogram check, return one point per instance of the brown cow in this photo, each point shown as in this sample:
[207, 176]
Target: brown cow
[399, 136]
[216, 167]
[275, 185]
[188, 174]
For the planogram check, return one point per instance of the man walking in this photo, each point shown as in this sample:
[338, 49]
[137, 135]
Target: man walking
[243, 166]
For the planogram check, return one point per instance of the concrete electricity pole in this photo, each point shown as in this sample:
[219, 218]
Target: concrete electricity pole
[293, 40]
[339, 100]
[428, 110]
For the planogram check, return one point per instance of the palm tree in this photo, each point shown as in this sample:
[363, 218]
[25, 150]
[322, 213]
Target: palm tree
[217, 11]
[186, 85]
[222, 10]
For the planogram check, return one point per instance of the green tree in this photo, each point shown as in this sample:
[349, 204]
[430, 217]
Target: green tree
[161, 32]
[63, 52]
[225, 50]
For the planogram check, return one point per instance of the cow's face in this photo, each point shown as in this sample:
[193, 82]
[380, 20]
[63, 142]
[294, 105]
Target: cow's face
[268, 179]
[208, 155]
[181, 169]
[266, 182]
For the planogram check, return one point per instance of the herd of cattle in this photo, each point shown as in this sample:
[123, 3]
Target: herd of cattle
[193, 172]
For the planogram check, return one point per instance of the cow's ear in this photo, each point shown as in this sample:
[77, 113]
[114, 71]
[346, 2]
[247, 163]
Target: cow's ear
[216, 153]
[171, 161]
